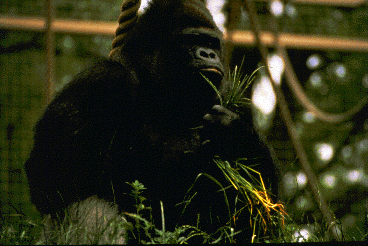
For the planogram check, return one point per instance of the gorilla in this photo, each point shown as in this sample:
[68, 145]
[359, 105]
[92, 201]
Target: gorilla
[147, 114]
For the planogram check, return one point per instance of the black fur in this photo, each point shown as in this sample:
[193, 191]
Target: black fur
[140, 116]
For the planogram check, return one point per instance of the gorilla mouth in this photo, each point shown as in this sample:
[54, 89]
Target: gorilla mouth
[213, 74]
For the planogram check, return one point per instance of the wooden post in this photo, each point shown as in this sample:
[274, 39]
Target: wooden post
[50, 51]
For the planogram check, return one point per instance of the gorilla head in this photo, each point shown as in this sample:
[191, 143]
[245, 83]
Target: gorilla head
[170, 46]
[144, 114]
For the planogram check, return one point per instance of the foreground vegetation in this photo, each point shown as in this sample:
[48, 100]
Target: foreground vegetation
[143, 231]
[270, 225]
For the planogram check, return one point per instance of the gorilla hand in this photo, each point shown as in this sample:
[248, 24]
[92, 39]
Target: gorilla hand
[222, 131]
[220, 117]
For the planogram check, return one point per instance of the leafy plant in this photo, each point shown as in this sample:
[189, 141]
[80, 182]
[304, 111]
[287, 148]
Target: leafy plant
[148, 233]
[21, 233]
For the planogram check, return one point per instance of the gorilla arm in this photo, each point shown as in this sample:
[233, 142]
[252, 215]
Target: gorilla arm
[72, 136]
[232, 137]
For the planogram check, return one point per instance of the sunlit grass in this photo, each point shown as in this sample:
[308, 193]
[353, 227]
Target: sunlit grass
[249, 183]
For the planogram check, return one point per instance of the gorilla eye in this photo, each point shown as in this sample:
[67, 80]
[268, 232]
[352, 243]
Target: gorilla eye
[203, 40]
[211, 42]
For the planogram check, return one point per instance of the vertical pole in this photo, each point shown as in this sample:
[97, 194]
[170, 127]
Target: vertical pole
[233, 18]
[50, 51]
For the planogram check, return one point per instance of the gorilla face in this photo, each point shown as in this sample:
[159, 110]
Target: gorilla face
[190, 51]
[204, 48]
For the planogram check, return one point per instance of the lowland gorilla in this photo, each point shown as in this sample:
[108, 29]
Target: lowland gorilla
[144, 114]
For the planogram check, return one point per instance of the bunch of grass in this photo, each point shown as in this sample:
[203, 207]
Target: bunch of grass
[235, 99]
[246, 180]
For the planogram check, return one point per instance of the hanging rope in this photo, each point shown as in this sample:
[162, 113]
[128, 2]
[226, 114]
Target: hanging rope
[127, 20]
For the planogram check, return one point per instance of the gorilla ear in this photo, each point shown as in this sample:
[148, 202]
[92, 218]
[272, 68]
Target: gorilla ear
[127, 20]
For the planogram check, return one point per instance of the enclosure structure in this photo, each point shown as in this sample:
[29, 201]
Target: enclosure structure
[327, 44]
[314, 114]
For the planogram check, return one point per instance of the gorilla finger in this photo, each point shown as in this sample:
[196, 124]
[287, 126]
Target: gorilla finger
[208, 118]
[226, 120]
[218, 109]
[211, 120]
[221, 110]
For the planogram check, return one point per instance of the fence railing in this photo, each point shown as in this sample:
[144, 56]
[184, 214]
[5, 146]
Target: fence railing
[239, 37]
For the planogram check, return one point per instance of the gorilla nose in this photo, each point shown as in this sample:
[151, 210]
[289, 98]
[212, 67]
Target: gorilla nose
[207, 55]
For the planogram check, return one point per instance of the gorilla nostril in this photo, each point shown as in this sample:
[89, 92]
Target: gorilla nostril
[203, 54]
[213, 55]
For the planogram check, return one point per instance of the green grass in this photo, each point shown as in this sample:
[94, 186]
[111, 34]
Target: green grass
[21, 230]
[143, 231]
[235, 98]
